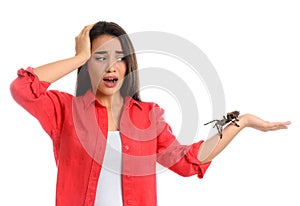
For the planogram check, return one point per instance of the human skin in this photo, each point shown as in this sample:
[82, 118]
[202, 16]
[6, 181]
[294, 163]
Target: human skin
[106, 62]
[112, 99]
[214, 145]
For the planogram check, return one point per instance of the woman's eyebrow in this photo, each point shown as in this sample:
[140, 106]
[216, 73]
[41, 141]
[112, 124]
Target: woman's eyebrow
[101, 52]
[105, 52]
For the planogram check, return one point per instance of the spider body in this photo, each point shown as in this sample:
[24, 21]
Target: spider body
[231, 117]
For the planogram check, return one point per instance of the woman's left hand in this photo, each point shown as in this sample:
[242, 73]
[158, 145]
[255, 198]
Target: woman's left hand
[262, 125]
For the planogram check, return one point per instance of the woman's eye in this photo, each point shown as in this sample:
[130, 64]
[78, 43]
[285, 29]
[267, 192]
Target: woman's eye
[119, 59]
[100, 58]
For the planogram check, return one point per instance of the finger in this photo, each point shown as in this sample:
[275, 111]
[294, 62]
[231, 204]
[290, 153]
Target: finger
[272, 126]
[284, 124]
[278, 128]
[87, 28]
[280, 125]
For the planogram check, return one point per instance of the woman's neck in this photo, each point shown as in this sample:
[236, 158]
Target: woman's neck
[114, 105]
[111, 102]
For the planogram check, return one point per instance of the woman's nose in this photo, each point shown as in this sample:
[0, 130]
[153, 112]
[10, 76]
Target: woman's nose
[111, 66]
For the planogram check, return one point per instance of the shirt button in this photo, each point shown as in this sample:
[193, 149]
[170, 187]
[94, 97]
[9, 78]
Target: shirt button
[126, 147]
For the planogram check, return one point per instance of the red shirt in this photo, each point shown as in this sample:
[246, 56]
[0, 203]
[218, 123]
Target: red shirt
[78, 128]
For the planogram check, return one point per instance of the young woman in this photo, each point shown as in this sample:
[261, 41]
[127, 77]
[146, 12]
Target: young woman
[106, 140]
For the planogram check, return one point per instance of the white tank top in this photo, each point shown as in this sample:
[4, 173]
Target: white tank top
[109, 190]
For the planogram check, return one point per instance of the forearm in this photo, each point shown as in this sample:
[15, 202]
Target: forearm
[56, 70]
[214, 145]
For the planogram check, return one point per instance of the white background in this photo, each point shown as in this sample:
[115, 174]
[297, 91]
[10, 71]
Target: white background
[253, 45]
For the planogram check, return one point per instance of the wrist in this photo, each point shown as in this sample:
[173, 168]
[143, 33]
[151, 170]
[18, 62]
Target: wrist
[81, 59]
[243, 121]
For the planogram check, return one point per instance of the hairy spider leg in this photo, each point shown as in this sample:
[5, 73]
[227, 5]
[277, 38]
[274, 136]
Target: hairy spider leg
[220, 129]
[234, 122]
[210, 122]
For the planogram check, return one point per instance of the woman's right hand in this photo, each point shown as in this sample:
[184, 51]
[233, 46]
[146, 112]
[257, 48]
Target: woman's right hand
[83, 44]
[53, 71]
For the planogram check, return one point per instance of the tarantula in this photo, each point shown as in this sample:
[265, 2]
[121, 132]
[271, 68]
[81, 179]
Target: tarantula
[231, 117]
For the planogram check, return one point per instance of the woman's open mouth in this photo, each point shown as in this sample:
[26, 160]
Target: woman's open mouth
[110, 81]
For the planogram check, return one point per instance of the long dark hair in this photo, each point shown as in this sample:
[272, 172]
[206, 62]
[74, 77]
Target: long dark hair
[130, 85]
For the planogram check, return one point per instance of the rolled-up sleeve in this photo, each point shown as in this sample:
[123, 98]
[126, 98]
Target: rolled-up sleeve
[45, 105]
[182, 159]
[27, 86]
[191, 157]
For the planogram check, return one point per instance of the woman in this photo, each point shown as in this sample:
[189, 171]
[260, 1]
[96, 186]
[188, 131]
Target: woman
[106, 140]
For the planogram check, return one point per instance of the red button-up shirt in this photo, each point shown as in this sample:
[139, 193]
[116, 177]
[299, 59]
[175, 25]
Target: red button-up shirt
[78, 127]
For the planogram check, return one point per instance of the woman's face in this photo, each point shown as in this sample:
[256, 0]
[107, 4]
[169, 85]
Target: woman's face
[106, 66]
